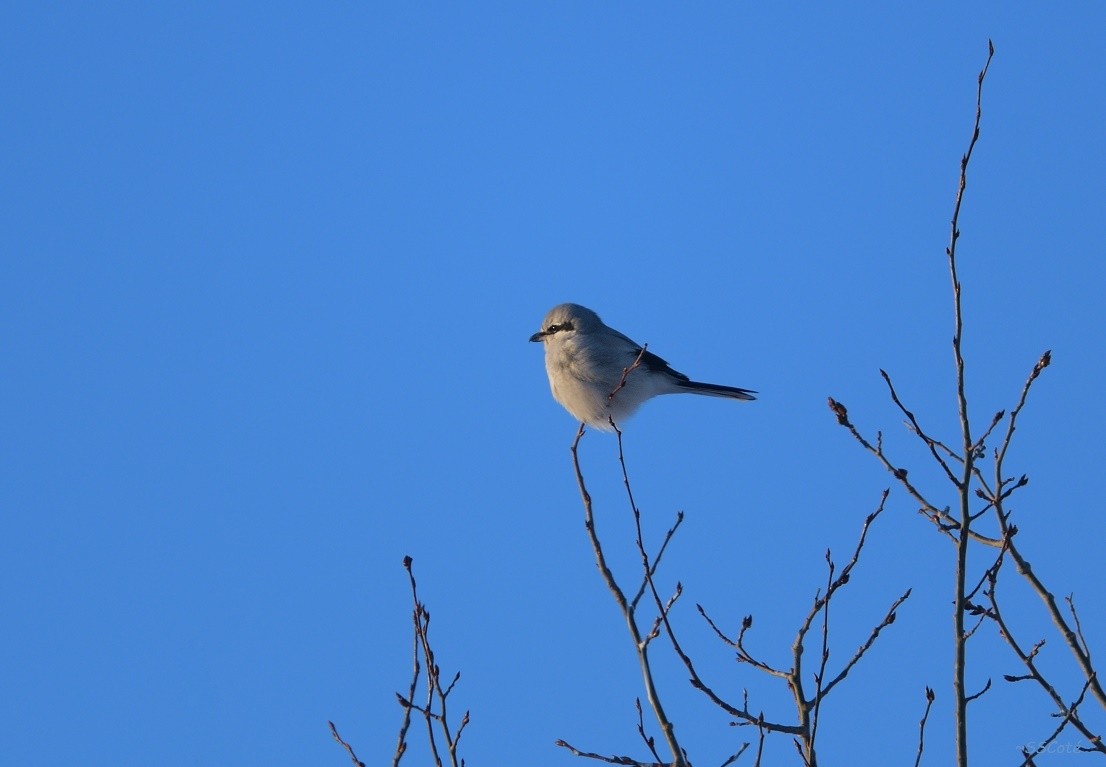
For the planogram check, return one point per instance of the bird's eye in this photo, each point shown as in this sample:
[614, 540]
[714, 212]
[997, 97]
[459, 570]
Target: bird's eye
[553, 329]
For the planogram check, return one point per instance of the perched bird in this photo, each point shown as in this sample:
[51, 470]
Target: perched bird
[586, 361]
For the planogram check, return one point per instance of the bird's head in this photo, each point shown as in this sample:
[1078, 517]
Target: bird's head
[564, 321]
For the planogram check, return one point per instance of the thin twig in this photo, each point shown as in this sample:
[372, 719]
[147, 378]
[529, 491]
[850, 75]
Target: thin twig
[401, 742]
[736, 756]
[888, 619]
[657, 558]
[1071, 636]
[346, 746]
[932, 443]
[922, 726]
[819, 678]
[627, 608]
[760, 740]
[435, 693]
[1029, 660]
[959, 638]
[623, 760]
[668, 730]
[1068, 717]
[650, 742]
[1070, 599]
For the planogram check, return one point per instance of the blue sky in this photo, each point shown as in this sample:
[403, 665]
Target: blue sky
[268, 274]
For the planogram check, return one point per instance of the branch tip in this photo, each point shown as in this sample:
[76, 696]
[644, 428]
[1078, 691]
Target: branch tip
[839, 411]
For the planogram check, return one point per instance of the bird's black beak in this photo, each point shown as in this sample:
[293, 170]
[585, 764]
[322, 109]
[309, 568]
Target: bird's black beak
[537, 337]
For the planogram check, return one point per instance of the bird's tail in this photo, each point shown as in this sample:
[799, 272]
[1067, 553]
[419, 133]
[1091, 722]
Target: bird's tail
[717, 390]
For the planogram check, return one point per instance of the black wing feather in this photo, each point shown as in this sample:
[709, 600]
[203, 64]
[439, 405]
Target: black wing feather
[655, 364]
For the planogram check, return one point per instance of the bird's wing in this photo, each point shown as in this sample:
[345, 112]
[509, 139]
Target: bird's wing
[655, 364]
[649, 361]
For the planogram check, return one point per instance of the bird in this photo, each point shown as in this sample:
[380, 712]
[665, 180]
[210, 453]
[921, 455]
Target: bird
[587, 360]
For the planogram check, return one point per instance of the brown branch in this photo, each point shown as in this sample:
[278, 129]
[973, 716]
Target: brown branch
[760, 740]
[888, 619]
[657, 559]
[1067, 718]
[1042, 363]
[668, 729]
[1070, 599]
[743, 655]
[627, 608]
[932, 443]
[735, 756]
[808, 710]
[435, 694]
[959, 638]
[922, 726]
[928, 508]
[1072, 636]
[945, 523]
[979, 694]
[346, 746]
[650, 742]
[401, 743]
[623, 760]
[1029, 660]
[820, 676]
[951, 252]
[742, 714]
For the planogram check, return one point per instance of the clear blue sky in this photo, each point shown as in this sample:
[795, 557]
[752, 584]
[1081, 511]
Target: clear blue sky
[268, 272]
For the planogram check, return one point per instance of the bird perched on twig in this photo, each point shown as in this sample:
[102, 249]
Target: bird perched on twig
[587, 363]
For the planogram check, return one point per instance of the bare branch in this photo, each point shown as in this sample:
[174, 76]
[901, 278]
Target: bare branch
[667, 728]
[627, 608]
[888, 619]
[650, 743]
[1042, 363]
[1028, 659]
[735, 757]
[979, 694]
[959, 637]
[821, 675]
[436, 695]
[1070, 599]
[1070, 637]
[346, 746]
[760, 740]
[657, 559]
[1069, 717]
[623, 760]
[922, 726]
[932, 443]
[401, 742]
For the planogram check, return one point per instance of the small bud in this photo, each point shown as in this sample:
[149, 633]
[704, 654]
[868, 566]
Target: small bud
[1044, 362]
[839, 411]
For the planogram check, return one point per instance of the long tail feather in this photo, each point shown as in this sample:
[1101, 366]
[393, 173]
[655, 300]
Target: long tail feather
[717, 390]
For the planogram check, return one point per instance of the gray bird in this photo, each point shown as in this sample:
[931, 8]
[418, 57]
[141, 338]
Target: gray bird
[585, 361]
